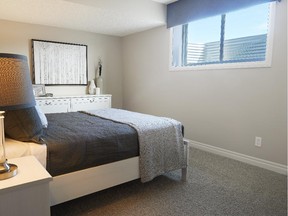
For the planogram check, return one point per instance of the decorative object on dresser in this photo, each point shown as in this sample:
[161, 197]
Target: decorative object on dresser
[39, 90]
[16, 93]
[99, 79]
[92, 87]
[98, 91]
[58, 63]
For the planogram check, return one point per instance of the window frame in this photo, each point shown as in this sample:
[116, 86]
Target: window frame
[258, 64]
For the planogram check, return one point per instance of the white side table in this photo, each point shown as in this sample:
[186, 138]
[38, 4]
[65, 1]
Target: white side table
[27, 193]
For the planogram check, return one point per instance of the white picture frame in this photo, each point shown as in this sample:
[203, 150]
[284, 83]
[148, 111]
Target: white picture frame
[39, 90]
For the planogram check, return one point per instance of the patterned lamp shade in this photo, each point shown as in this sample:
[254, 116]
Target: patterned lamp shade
[16, 90]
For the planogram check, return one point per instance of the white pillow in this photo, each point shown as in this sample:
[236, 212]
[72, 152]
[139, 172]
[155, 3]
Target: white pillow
[42, 117]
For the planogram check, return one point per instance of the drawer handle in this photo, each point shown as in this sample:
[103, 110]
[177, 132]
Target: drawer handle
[48, 103]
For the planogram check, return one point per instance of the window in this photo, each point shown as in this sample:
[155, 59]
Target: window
[236, 39]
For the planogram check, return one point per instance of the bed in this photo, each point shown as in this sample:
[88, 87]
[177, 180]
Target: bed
[83, 174]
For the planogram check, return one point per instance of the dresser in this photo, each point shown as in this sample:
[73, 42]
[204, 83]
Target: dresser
[73, 103]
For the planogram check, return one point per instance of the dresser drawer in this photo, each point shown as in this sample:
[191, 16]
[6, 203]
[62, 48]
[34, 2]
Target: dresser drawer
[54, 105]
[90, 103]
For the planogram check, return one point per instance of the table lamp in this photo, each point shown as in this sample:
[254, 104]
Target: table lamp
[16, 92]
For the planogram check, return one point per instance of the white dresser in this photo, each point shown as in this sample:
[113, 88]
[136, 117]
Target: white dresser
[73, 103]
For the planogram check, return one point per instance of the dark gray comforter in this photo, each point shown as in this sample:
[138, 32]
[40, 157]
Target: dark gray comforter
[77, 141]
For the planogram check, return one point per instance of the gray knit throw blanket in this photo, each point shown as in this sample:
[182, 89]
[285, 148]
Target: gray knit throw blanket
[160, 141]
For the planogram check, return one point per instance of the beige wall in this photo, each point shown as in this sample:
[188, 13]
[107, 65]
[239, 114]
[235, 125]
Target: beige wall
[16, 38]
[224, 108]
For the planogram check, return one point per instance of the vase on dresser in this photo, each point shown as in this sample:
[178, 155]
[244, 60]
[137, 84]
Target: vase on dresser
[99, 79]
[92, 88]
[99, 84]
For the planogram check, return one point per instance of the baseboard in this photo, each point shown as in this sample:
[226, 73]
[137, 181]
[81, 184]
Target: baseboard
[276, 167]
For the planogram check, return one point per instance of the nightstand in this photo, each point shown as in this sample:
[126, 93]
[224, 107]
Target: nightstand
[27, 193]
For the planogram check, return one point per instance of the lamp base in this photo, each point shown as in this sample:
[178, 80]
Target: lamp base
[9, 173]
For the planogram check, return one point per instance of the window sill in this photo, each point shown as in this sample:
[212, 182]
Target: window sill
[265, 64]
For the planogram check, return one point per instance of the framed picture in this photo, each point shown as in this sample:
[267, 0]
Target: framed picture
[58, 63]
[39, 90]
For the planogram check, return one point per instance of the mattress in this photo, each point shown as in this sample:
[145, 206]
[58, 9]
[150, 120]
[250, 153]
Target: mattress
[15, 149]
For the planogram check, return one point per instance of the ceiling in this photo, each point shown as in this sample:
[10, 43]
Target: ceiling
[111, 17]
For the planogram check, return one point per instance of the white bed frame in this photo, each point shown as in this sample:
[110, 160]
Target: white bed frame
[80, 183]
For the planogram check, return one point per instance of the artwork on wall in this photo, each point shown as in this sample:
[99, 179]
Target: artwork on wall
[58, 63]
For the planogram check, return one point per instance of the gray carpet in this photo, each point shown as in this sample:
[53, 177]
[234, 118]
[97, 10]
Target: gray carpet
[216, 186]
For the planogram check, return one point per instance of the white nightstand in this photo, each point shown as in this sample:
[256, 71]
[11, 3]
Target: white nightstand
[27, 193]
